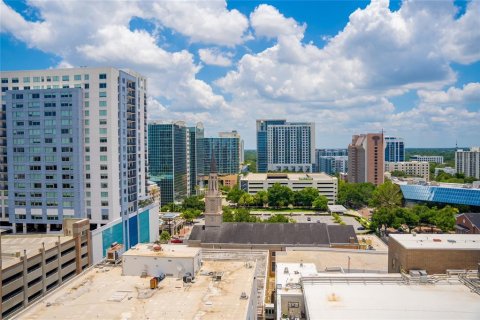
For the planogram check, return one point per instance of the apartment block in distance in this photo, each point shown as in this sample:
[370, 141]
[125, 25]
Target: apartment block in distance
[366, 158]
[289, 146]
[468, 162]
[168, 161]
[262, 142]
[113, 103]
[394, 149]
[331, 161]
[435, 159]
[410, 168]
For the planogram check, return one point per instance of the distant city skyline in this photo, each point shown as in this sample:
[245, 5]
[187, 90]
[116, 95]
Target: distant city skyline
[419, 77]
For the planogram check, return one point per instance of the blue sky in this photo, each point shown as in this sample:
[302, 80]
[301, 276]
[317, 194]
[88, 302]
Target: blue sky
[410, 68]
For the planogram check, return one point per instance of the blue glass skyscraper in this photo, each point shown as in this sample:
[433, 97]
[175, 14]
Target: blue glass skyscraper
[394, 150]
[167, 159]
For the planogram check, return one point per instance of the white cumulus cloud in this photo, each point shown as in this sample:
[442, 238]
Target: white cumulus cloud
[213, 56]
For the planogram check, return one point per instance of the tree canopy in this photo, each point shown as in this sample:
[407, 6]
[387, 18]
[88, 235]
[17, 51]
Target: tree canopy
[395, 217]
[354, 195]
[279, 196]
[388, 194]
[320, 203]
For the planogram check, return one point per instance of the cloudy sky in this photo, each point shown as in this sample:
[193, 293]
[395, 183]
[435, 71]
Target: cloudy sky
[411, 67]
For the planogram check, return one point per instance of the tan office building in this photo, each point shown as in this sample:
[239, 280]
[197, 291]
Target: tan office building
[434, 253]
[410, 168]
[366, 158]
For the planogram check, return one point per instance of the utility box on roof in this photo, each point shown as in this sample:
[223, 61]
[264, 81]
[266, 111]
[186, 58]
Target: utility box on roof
[152, 260]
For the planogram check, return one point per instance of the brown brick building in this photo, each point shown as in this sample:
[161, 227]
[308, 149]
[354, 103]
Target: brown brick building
[468, 223]
[366, 158]
[434, 253]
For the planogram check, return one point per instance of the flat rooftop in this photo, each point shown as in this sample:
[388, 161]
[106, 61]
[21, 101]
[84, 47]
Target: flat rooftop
[167, 250]
[288, 176]
[13, 246]
[103, 293]
[360, 260]
[438, 241]
[388, 300]
[287, 276]
[336, 208]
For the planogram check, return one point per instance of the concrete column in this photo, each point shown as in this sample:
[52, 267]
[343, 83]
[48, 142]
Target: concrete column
[25, 279]
[44, 269]
[24, 228]
[59, 260]
[48, 228]
[14, 229]
[89, 246]
[78, 253]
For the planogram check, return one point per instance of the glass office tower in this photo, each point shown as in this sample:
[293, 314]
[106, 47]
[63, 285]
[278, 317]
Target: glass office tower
[195, 133]
[226, 151]
[167, 158]
[394, 150]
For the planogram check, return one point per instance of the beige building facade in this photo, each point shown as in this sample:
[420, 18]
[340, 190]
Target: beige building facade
[434, 253]
[410, 168]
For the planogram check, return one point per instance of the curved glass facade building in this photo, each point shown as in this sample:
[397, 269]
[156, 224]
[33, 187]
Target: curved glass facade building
[441, 194]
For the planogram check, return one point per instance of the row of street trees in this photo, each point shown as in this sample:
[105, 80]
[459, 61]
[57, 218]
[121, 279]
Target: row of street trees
[243, 215]
[279, 196]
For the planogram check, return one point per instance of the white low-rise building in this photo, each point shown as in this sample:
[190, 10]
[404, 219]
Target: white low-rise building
[325, 184]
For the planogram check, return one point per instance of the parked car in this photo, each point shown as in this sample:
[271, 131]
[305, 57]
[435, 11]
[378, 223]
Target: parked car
[161, 276]
[309, 219]
[176, 240]
[361, 228]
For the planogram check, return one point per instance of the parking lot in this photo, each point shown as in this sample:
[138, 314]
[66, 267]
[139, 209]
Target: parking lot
[302, 218]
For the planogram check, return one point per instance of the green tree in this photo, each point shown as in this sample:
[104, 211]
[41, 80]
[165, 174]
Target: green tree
[382, 218]
[278, 218]
[246, 200]
[193, 202]
[165, 236]
[243, 215]
[445, 218]
[261, 198]
[235, 194]
[320, 203]
[354, 195]
[279, 196]
[387, 194]
[305, 197]
[411, 219]
[425, 215]
[397, 173]
[171, 207]
[228, 214]
[190, 214]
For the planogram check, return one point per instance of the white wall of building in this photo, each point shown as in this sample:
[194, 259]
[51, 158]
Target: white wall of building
[135, 265]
